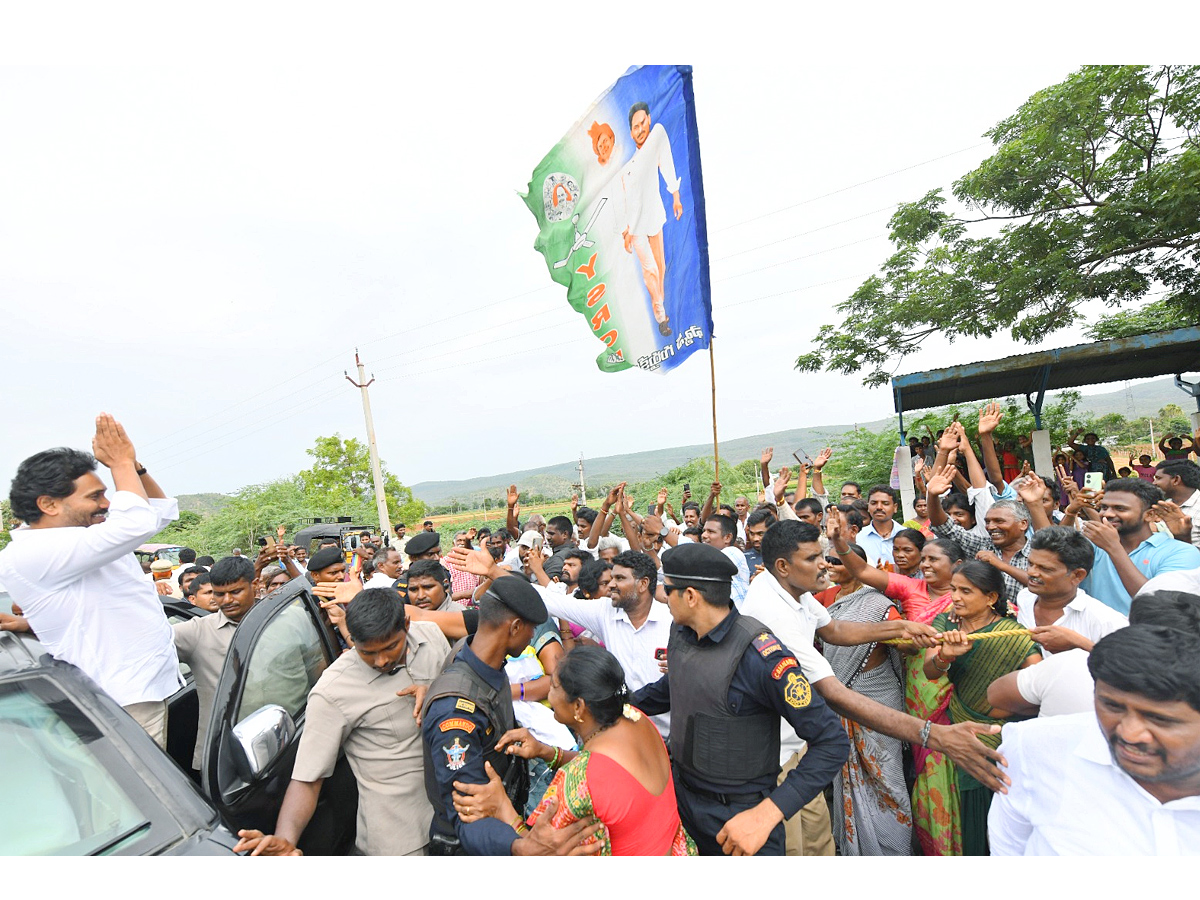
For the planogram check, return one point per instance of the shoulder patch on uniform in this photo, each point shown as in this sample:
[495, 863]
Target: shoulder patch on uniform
[456, 755]
[782, 666]
[798, 693]
[458, 725]
[766, 644]
[465, 705]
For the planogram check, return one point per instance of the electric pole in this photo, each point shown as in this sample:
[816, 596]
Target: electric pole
[582, 488]
[385, 524]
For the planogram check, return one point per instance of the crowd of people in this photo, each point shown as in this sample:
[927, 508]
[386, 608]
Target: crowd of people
[1010, 670]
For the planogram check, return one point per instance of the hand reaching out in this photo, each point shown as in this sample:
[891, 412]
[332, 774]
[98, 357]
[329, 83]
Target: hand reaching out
[939, 482]
[989, 418]
[766, 456]
[822, 458]
[512, 496]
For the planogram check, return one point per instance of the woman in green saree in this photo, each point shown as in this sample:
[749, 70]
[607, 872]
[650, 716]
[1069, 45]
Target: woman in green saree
[978, 609]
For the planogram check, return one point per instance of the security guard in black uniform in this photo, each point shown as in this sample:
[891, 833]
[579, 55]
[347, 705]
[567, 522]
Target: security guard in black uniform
[467, 709]
[426, 545]
[729, 682]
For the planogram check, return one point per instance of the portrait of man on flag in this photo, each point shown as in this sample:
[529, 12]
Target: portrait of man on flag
[620, 205]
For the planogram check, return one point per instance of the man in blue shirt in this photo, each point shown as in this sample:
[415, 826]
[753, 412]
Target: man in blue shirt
[1129, 552]
[878, 536]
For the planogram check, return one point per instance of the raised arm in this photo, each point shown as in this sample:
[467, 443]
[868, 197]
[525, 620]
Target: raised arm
[836, 531]
[989, 418]
[938, 484]
[713, 493]
[818, 477]
[764, 465]
[511, 521]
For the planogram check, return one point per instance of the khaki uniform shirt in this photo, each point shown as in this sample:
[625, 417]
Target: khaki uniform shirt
[355, 708]
[202, 644]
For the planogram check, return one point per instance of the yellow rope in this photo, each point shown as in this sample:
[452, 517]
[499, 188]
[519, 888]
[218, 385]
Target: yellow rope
[971, 637]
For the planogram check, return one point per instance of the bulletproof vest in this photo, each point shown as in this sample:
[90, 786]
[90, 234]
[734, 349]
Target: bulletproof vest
[707, 738]
[458, 679]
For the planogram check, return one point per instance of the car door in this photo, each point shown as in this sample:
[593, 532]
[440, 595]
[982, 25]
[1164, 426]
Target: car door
[183, 707]
[279, 651]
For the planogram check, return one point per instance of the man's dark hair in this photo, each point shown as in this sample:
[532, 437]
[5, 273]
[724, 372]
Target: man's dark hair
[589, 576]
[187, 557]
[726, 510]
[958, 500]
[205, 561]
[188, 570]
[881, 489]
[1185, 470]
[329, 542]
[1072, 549]
[642, 566]
[427, 522]
[853, 484]
[1155, 662]
[374, 615]
[1146, 493]
[428, 567]
[782, 539]
[577, 553]
[232, 569]
[1170, 609]
[587, 514]
[368, 568]
[562, 524]
[691, 504]
[1052, 485]
[51, 473]
[727, 525]
[854, 515]
[594, 675]
[694, 532]
[641, 104]
[198, 582]
[759, 516]
[812, 504]
[365, 534]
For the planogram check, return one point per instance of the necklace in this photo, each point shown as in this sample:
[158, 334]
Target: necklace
[596, 732]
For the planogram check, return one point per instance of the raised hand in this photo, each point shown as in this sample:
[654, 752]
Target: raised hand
[989, 418]
[1029, 488]
[822, 458]
[512, 496]
[835, 525]
[614, 495]
[477, 562]
[918, 466]
[662, 498]
[111, 446]
[766, 456]
[949, 439]
[715, 489]
[781, 483]
[939, 482]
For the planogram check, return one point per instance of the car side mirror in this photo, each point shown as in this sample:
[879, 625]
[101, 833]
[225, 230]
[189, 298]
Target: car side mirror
[262, 736]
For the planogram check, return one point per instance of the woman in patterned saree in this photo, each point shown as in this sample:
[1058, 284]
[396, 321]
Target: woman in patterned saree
[871, 812]
[935, 810]
[979, 610]
[621, 775]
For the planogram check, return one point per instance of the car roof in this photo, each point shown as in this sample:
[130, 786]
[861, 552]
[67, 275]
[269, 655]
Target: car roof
[19, 652]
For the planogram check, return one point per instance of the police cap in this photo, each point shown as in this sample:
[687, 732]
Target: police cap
[521, 597]
[422, 543]
[324, 558]
[699, 562]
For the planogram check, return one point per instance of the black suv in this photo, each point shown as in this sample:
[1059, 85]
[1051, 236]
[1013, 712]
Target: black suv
[87, 780]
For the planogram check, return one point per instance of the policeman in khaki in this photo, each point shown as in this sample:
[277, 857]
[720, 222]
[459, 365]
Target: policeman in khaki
[363, 704]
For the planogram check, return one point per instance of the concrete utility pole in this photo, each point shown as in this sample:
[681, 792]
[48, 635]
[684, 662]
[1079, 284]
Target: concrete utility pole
[582, 488]
[385, 525]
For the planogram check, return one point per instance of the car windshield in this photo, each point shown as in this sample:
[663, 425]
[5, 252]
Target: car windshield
[62, 799]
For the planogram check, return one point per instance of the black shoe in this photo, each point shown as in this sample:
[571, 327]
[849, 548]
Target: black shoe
[664, 328]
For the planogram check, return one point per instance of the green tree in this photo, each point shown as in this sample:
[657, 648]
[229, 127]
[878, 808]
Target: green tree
[1093, 193]
[340, 478]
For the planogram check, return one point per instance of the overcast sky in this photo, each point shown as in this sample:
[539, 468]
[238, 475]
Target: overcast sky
[199, 224]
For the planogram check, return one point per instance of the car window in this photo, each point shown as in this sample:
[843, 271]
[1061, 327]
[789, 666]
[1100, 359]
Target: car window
[285, 662]
[62, 798]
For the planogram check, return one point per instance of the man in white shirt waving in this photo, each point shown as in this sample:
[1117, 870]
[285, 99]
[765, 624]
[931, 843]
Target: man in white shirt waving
[73, 572]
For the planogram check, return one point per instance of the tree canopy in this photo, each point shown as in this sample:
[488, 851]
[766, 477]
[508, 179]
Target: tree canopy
[1092, 194]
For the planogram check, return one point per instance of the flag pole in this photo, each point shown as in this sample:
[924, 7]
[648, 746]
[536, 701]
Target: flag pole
[712, 370]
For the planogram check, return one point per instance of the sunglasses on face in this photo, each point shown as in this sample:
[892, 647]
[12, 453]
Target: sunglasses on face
[673, 587]
[833, 560]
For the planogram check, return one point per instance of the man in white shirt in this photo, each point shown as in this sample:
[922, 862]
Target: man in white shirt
[1179, 479]
[1060, 685]
[1124, 778]
[881, 531]
[781, 598]
[388, 562]
[720, 532]
[1059, 614]
[73, 572]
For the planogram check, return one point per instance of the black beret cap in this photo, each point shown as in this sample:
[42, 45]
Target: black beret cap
[699, 562]
[422, 543]
[521, 597]
[324, 558]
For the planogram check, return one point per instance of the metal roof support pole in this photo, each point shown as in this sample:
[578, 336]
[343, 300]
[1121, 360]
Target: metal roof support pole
[908, 493]
[1193, 391]
[1043, 461]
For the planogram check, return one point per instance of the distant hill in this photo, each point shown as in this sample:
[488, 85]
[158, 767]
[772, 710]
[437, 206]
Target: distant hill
[556, 480]
[204, 504]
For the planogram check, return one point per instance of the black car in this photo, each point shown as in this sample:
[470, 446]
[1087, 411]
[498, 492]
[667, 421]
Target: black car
[85, 779]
